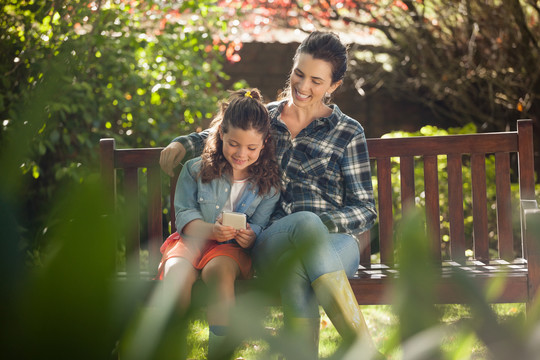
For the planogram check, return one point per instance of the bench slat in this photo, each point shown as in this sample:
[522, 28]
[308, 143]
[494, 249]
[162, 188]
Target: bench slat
[137, 158]
[480, 223]
[431, 184]
[455, 208]
[155, 210]
[373, 289]
[386, 219]
[437, 145]
[172, 185]
[526, 160]
[406, 168]
[364, 241]
[505, 235]
[108, 172]
[131, 214]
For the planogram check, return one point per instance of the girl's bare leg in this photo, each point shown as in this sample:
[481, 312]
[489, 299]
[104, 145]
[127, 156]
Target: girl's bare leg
[179, 277]
[219, 274]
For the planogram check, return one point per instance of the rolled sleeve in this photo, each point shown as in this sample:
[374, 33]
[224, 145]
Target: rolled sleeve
[193, 143]
[185, 198]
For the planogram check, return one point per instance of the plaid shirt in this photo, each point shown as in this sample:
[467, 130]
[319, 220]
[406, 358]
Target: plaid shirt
[325, 170]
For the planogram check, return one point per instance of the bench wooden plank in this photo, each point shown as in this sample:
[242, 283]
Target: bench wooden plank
[406, 168]
[505, 235]
[108, 172]
[155, 215]
[449, 144]
[137, 158]
[431, 185]
[376, 288]
[479, 191]
[385, 213]
[172, 186]
[455, 208]
[526, 160]
[364, 244]
[131, 213]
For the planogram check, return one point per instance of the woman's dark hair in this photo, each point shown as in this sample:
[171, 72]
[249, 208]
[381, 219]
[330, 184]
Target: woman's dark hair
[323, 46]
[244, 109]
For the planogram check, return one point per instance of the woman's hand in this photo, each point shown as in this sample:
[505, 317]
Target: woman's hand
[171, 156]
[245, 238]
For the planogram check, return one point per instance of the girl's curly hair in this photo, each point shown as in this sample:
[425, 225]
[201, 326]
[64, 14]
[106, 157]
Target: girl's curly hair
[244, 109]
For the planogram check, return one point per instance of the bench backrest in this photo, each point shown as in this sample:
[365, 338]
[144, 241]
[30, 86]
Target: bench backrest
[141, 174]
[457, 150]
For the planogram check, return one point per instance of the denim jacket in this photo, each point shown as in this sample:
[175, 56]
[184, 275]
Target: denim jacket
[197, 200]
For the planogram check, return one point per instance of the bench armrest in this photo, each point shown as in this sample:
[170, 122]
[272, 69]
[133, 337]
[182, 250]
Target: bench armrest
[530, 226]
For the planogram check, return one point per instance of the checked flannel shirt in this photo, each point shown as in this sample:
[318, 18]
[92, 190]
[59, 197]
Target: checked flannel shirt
[325, 170]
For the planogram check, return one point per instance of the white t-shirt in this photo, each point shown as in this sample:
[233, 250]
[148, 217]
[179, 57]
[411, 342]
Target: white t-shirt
[237, 189]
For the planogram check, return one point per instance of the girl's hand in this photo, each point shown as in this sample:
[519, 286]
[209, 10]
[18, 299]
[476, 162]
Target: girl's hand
[245, 238]
[222, 233]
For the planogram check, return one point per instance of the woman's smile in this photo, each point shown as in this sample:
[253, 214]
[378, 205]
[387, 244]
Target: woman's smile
[300, 96]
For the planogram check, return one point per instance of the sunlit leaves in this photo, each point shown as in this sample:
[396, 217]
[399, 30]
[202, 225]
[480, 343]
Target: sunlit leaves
[128, 70]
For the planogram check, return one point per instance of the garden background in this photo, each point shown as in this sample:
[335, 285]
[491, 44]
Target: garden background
[144, 72]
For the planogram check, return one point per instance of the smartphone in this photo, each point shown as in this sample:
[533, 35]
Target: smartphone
[234, 219]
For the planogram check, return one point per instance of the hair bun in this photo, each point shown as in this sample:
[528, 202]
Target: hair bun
[253, 93]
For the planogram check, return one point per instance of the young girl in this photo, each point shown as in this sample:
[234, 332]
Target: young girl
[237, 171]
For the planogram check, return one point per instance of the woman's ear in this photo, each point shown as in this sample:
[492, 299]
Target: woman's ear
[334, 86]
[220, 131]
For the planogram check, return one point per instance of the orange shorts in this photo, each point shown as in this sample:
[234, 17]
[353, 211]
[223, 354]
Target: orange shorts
[174, 247]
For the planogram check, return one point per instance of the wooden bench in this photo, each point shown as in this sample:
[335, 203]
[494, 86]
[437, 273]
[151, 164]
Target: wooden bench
[136, 173]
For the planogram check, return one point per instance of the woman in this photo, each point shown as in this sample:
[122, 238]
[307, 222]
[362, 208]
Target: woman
[327, 195]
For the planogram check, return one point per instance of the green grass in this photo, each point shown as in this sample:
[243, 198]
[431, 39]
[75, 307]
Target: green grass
[383, 325]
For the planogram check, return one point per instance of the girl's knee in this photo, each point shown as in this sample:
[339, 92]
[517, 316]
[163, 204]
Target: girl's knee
[180, 267]
[221, 269]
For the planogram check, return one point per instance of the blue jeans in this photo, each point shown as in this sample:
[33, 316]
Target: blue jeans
[302, 243]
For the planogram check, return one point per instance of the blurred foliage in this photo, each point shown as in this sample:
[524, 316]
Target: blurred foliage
[139, 71]
[421, 334]
[467, 191]
[77, 71]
